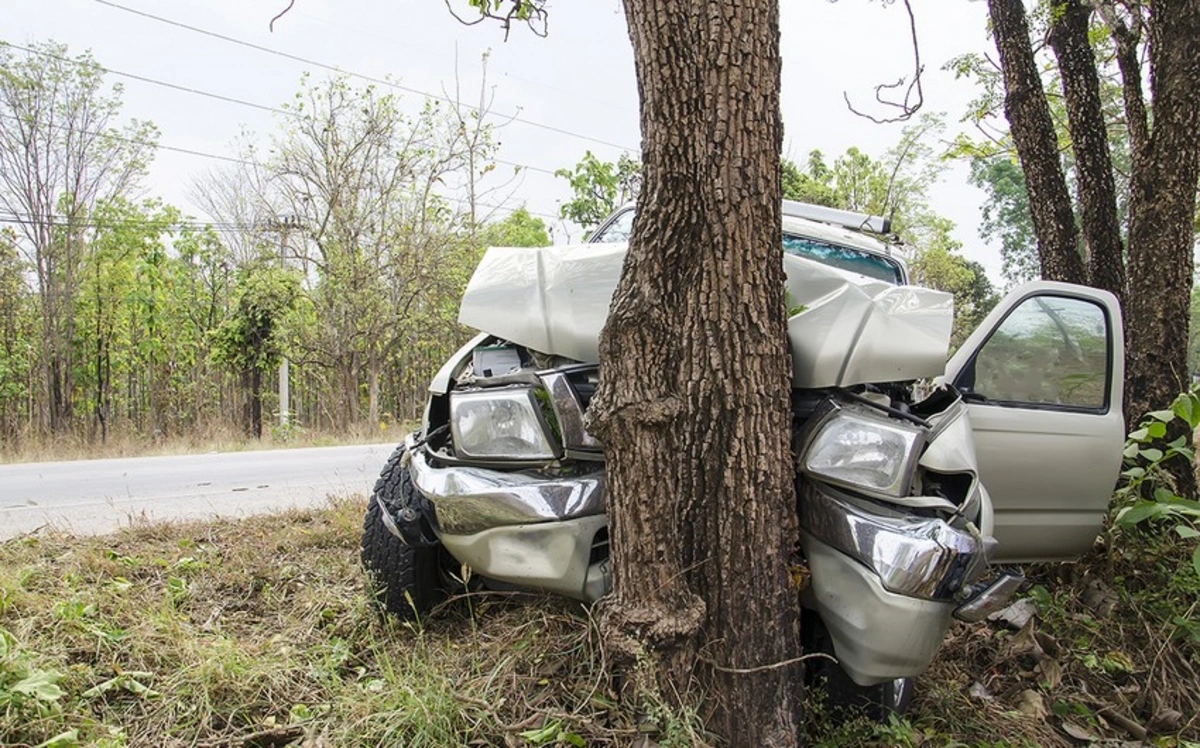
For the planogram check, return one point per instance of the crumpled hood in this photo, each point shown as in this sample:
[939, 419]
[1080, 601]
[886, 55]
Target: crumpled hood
[852, 329]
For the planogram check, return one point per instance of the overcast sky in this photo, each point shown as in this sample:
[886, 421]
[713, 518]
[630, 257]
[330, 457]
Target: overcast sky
[570, 92]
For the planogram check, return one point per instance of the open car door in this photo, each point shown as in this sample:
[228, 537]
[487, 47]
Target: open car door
[1043, 377]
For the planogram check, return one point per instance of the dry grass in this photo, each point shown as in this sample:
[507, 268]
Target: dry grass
[258, 633]
[40, 448]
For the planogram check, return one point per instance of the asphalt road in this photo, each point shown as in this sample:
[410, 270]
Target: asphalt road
[89, 497]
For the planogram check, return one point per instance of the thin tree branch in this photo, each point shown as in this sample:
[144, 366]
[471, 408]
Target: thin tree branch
[906, 106]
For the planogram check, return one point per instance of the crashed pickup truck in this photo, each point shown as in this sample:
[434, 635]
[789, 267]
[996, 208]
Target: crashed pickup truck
[910, 507]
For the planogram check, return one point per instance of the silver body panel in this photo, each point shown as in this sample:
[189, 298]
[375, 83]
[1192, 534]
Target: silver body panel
[877, 635]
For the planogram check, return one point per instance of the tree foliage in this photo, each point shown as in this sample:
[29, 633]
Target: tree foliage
[517, 229]
[61, 154]
[599, 187]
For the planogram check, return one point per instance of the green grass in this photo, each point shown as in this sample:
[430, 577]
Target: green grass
[258, 633]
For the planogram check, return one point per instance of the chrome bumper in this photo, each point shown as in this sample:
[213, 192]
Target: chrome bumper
[914, 556]
[469, 500]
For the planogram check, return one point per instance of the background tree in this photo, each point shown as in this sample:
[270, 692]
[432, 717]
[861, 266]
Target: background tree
[366, 184]
[17, 342]
[517, 229]
[600, 187]
[250, 341]
[1163, 157]
[61, 153]
[1036, 144]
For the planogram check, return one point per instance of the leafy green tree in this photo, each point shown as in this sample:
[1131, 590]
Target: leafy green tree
[17, 338]
[938, 264]
[599, 188]
[250, 341]
[810, 184]
[61, 154]
[517, 229]
[1005, 215]
[127, 328]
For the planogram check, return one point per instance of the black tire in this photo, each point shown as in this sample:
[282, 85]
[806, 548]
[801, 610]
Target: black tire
[845, 700]
[405, 580]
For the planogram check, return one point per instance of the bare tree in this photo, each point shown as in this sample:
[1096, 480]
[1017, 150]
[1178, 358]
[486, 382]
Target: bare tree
[61, 153]
[368, 184]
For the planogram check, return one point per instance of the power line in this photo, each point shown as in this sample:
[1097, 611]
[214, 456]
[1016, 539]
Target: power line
[368, 78]
[165, 84]
[220, 97]
[148, 143]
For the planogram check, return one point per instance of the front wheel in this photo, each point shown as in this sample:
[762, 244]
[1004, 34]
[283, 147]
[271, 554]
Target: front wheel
[405, 580]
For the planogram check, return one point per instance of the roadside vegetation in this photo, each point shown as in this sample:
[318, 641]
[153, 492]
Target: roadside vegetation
[259, 632]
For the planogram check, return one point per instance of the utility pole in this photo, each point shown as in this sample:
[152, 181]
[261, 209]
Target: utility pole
[283, 225]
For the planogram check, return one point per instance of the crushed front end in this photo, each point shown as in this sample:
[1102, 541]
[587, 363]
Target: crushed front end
[896, 527]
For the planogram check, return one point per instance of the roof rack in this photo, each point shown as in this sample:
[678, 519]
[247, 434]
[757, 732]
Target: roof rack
[844, 218]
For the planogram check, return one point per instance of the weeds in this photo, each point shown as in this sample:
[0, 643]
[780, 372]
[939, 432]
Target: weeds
[259, 632]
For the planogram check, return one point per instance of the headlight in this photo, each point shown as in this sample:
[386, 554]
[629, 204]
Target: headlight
[856, 448]
[499, 424]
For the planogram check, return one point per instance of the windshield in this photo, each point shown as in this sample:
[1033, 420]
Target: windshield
[844, 258]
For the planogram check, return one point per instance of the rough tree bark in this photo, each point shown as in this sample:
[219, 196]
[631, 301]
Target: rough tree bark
[1162, 210]
[1032, 129]
[693, 405]
[1089, 140]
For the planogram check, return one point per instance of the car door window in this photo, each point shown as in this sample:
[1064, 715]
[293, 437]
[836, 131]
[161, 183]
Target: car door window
[1050, 351]
[616, 230]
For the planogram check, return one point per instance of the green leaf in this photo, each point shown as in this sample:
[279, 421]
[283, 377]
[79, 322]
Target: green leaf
[543, 735]
[1164, 495]
[1157, 430]
[1161, 415]
[40, 684]
[1196, 560]
[1187, 532]
[1139, 512]
[1139, 435]
[1153, 455]
[1185, 406]
[68, 739]
[1134, 472]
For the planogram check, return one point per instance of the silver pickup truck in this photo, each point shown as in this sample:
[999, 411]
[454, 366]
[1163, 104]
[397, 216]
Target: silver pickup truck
[909, 506]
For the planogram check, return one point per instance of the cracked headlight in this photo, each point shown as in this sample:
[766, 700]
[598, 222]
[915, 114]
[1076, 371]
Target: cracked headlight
[857, 449]
[499, 424]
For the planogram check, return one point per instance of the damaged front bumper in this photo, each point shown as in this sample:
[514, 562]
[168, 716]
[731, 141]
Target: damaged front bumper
[521, 528]
[886, 584]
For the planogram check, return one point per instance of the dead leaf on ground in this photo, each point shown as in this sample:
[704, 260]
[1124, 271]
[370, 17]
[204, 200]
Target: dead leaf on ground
[1032, 705]
[1050, 671]
[1166, 720]
[1079, 732]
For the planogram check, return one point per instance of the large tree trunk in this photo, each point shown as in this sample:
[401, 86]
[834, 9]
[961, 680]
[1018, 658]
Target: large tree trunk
[1089, 140]
[1162, 210]
[693, 406]
[1033, 135]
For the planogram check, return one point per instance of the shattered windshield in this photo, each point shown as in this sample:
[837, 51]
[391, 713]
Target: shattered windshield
[858, 261]
[844, 258]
